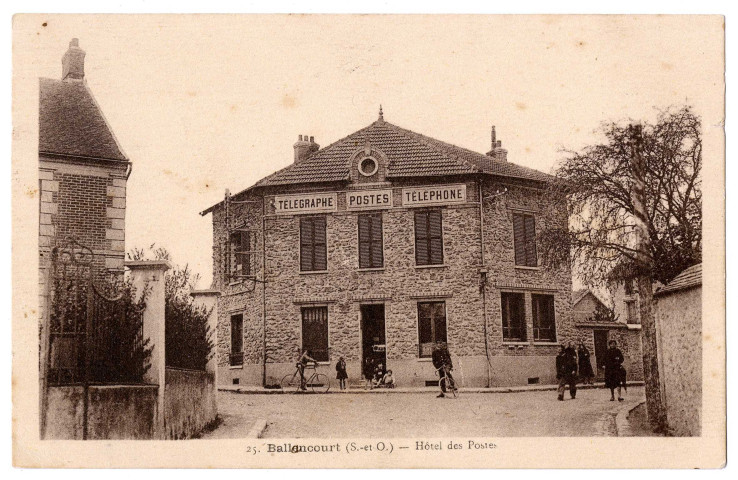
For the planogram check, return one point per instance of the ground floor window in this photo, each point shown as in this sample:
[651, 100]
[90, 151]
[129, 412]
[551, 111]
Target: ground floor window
[236, 356]
[315, 332]
[544, 321]
[431, 326]
[513, 317]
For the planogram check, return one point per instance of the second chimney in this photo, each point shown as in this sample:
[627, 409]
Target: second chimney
[73, 62]
[304, 147]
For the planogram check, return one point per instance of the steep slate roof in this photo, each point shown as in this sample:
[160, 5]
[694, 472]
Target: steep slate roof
[71, 122]
[410, 154]
[689, 278]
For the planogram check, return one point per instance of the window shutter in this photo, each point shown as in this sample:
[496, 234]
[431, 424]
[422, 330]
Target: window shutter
[421, 238]
[306, 244]
[377, 259]
[320, 248]
[519, 238]
[364, 241]
[531, 256]
[435, 231]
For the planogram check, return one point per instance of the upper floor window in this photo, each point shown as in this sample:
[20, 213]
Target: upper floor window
[428, 238]
[239, 255]
[544, 320]
[313, 250]
[629, 290]
[524, 233]
[631, 307]
[513, 317]
[371, 252]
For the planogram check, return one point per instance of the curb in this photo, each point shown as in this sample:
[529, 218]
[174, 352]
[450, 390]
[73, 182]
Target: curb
[622, 425]
[258, 429]
[537, 388]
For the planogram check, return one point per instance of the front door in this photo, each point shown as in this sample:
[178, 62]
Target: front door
[600, 341]
[372, 335]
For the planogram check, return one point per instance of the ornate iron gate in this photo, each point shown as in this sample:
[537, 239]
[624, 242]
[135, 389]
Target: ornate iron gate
[92, 337]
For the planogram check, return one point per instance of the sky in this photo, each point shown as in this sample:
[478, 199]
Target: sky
[204, 103]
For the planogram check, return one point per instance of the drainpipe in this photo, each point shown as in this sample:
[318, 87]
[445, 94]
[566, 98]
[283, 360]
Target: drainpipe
[263, 292]
[483, 280]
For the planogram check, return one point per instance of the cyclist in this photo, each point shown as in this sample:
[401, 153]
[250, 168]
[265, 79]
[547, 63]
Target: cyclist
[442, 362]
[302, 362]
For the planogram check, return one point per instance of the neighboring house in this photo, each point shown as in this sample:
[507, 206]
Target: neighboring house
[678, 312]
[379, 245]
[596, 333]
[82, 172]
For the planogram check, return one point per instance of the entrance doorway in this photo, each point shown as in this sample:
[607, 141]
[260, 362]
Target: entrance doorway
[600, 341]
[372, 335]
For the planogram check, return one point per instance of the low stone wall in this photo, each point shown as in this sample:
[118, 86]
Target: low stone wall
[189, 402]
[115, 412]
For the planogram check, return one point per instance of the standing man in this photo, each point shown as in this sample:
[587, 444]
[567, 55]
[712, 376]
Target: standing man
[442, 362]
[566, 371]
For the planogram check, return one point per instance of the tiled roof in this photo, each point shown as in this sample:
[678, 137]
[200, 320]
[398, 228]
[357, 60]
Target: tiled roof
[71, 122]
[691, 277]
[410, 154]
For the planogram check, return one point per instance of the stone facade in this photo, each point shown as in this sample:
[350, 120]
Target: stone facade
[399, 286]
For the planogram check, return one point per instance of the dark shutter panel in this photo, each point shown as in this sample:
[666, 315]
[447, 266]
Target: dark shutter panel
[320, 247]
[377, 247]
[519, 238]
[421, 238]
[435, 232]
[306, 244]
[364, 241]
[531, 255]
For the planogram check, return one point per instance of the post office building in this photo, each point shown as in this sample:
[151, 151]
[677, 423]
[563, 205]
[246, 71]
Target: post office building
[381, 244]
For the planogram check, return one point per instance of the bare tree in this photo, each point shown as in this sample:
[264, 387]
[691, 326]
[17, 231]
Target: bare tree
[635, 206]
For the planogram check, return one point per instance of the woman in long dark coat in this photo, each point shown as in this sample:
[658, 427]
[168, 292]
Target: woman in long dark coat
[585, 365]
[613, 373]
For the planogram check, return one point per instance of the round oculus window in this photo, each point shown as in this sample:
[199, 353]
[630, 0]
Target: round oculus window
[368, 166]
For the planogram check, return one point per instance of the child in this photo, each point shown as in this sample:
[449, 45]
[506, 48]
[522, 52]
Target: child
[378, 375]
[341, 374]
[389, 380]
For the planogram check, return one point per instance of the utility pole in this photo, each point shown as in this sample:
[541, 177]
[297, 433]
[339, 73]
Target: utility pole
[644, 273]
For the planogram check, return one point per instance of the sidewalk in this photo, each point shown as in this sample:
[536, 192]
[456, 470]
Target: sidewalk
[253, 390]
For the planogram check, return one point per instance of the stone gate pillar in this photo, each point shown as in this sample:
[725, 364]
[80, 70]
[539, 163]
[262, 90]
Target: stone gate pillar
[150, 274]
[209, 299]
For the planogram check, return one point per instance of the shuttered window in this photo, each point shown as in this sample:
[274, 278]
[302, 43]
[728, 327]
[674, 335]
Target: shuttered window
[431, 326]
[428, 238]
[239, 255]
[236, 356]
[544, 321]
[371, 254]
[313, 253]
[524, 233]
[513, 317]
[315, 332]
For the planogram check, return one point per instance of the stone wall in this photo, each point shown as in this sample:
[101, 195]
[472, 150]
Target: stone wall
[400, 285]
[189, 402]
[115, 412]
[679, 326]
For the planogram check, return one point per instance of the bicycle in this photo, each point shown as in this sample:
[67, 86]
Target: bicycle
[447, 381]
[318, 382]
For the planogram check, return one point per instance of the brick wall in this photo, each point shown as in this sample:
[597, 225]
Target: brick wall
[400, 285]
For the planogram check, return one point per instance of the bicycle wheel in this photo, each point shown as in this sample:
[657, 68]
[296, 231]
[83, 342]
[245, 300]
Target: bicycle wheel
[320, 383]
[450, 386]
[290, 382]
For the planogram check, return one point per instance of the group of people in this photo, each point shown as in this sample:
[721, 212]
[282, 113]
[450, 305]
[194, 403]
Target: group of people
[572, 364]
[376, 374]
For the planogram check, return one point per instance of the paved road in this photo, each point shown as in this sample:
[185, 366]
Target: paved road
[421, 414]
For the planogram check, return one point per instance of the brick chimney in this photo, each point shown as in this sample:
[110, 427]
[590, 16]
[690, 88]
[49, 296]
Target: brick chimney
[304, 147]
[497, 152]
[73, 62]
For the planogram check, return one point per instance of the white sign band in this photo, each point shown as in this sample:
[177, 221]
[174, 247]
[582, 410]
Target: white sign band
[435, 195]
[305, 203]
[368, 199]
